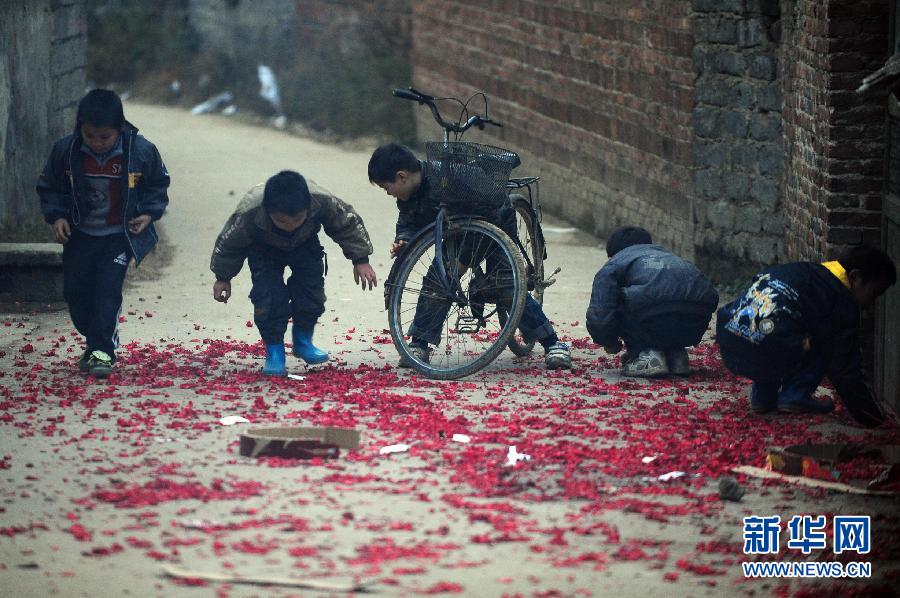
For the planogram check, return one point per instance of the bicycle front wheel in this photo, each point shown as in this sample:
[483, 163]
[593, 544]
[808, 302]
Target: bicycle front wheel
[461, 325]
[529, 235]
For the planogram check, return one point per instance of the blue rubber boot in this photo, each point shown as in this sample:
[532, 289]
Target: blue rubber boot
[274, 361]
[305, 350]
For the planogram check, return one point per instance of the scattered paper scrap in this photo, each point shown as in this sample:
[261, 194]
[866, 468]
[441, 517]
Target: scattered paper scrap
[393, 448]
[460, 438]
[213, 103]
[230, 420]
[649, 459]
[513, 456]
[296, 377]
[671, 476]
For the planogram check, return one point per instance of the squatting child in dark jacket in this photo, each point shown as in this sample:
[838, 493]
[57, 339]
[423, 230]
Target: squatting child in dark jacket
[653, 300]
[798, 323]
[395, 168]
[101, 190]
[276, 226]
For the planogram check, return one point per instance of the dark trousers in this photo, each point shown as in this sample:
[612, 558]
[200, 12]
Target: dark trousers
[93, 275]
[431, 313]
[663, 331]
[432, 307]
[797, 386]
[301, 297]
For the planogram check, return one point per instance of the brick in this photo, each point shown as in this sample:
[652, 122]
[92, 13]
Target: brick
[710, 155]
[715, 30]
[854, 219]
[721, 215]
[762, 250]
[733, 124]
[766, 191]
[773, 224]
[768, 98]
[748, 219]
[765, 127]
[69, 21]
[771, 159]
[68, 55]
[732, 6]
[708, 183]
[706, 121]
[763, 67]
[745, 156]
[751, 32]
[736, 186]
[67, 88]
[844, 236]
[728, 62]
[769, 8]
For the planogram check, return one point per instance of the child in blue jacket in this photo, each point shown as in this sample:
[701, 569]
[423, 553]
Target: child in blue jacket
[798, 323]
[653, 301]
[101, 190]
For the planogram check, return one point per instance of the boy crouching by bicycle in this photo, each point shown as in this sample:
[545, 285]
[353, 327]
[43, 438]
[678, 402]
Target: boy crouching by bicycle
[276, 226]
[395, 168]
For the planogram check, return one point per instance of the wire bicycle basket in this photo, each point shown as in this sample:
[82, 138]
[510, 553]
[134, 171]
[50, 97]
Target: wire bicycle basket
[469, 175]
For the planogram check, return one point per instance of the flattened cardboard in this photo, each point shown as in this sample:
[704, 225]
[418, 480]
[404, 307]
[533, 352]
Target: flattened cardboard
[817, 462]
[299, 442]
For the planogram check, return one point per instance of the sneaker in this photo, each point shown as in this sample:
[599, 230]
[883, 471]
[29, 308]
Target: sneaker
[649, 363]
[83, 362]
[678, 361]
[557, 357]
[419, 352]
[100, 364]
[806, 405]
[764, 397]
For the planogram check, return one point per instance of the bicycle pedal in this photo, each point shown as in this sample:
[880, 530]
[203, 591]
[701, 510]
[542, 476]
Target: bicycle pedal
[550, 279]
[467, 325]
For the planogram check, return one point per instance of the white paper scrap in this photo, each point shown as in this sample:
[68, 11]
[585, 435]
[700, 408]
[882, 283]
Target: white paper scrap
[670, 476]
[296, 377]
[461, 438]
[649, 459]
[513, 456]
[393, 448]
[230, 420]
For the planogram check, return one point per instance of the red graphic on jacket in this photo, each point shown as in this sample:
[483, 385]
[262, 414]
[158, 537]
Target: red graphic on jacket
[104, 188]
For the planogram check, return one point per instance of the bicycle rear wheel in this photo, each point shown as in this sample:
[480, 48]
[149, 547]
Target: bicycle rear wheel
[467, 332]
[528, 232]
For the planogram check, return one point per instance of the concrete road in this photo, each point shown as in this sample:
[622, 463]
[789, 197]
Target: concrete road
[105, 482]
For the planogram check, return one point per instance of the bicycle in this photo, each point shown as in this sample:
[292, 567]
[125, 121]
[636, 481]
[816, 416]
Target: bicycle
[474, 276]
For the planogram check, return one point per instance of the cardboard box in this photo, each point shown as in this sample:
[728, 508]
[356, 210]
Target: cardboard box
[298, 442]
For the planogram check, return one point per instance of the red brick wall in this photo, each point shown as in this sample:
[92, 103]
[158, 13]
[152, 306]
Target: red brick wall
[834, 137]
[598, 101]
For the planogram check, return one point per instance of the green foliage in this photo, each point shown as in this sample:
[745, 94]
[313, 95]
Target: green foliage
[131, 39]
[351, 96]
[343, 89]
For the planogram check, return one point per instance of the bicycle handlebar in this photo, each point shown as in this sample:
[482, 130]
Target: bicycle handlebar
[422, 98]
[407, 95]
